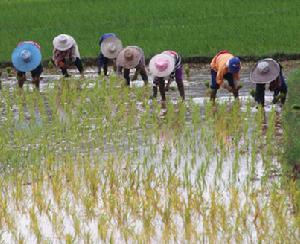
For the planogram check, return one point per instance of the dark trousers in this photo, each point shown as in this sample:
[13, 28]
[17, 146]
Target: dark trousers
[228, 76]
[35, 75]
[160, 82]
[260, 93]
[141, 70]
[102, 62]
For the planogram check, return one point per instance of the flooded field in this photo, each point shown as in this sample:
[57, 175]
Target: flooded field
[89, 160]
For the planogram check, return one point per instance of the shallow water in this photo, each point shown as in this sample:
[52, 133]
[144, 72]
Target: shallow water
[194, 84]
[192, 160]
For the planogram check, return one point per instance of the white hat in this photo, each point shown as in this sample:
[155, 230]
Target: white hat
[265, 71]
[63, 42]
[161, 65]
[111, 47]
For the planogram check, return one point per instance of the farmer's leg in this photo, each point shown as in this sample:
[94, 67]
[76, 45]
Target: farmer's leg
[36, 74]
[179, 81]
[154, 88]
[143, 72]
[105, 64]
[161, 85]
[21, 77]
[126, 76]
[284, 90]
[260, 94]
[214, 85]
[275, 94]
[114, 65]
[79, 65]
[100, 62]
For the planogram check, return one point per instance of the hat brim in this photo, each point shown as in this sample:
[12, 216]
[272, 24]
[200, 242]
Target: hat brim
[63, 46]
[129, 64]
[153, 69]
[18, 62]
[105, 47]
[257, 77]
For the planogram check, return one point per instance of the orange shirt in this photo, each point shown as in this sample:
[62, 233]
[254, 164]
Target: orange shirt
[218, 64]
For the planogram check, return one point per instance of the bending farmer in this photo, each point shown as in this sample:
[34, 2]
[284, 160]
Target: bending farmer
[166, 66]
[27, 57]
[110, 47]
[66, 51]
[268, 73]
[225, 66]
[129, 58]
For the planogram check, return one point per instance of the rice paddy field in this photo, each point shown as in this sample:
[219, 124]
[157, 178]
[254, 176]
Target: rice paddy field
[89, 161]
[193, 28]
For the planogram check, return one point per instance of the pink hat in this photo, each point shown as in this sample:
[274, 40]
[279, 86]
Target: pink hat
[161, 65]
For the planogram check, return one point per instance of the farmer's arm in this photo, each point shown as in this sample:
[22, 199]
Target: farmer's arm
[220, 74]
[119, 70]
[236, 76]
[58, 58]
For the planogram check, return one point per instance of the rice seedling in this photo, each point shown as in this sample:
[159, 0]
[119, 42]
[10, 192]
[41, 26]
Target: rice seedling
[103, 166]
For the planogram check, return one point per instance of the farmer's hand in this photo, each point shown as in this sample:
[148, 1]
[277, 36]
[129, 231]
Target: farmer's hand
[62, 65]
[226, 86]
[168, 84]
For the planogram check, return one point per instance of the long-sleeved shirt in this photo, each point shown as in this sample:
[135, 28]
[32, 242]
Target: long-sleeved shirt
[71, 53]
[220, 64]
[177, 59]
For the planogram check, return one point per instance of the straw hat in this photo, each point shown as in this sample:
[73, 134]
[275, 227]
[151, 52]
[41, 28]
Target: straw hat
[26, 57]
[265, 71]
[111, 47]
[129, 57]
[161, 65]
[63, 42]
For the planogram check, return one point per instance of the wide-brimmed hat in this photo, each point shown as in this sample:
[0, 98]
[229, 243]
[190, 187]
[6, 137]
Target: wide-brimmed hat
[129, 57]
[111, 47]
[234, 65]
[265, 71]
[26, 57]
[63, 42]
[161, 65]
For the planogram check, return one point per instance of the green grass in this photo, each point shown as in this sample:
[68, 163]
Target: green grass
[193, 27]
[292, 121]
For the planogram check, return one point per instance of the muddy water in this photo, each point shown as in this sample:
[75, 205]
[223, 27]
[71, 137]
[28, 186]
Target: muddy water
[196, 89]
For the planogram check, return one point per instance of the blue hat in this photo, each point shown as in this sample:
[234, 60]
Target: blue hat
[26, 57]
[234, 65]
[105, 36]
